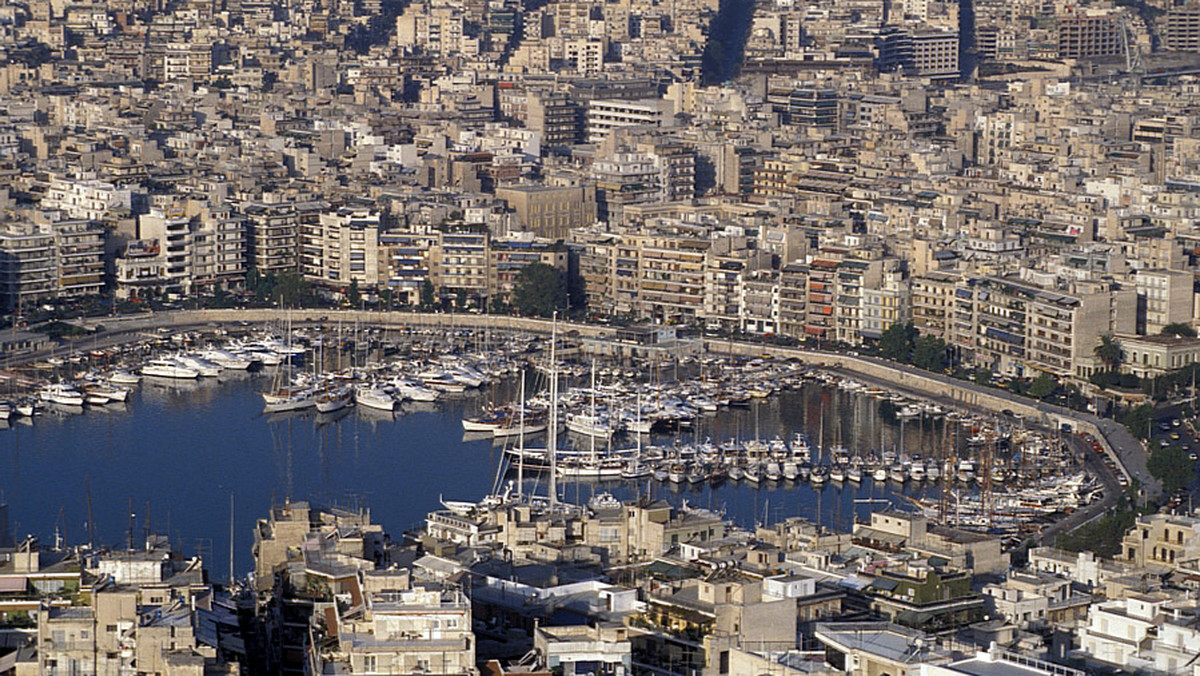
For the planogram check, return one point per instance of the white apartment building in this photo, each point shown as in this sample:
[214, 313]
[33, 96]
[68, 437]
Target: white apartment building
[412, 631]
[1143, 632]
[171, 228]
[87, 199]
[605, 115]
[341, 247]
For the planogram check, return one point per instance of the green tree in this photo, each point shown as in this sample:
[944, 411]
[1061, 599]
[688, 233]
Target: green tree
[1109, 352]
[353, 294]
[427, 295]
[1043, 386]
[1178, 329]
[540, 289]
[929, 353]
[896, 343]
[387, 296]
[982, 376]
[1171, 466]
[290, 288]
[1138, 419]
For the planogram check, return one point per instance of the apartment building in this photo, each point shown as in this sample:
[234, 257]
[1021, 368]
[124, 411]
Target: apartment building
[342, 247]
[509, 256]
[1082, 35]
[1017, 328]
[555, 115]
[1117, 630]
[1164, 297]
[273, 234]
[551, 211]
[459, 263]
[218, 248]
[888, 302]
[1162, 540]
[86, 199]
[27, 265]
[432, 28]
[171, 228]
[406, 257]
[410, 631]
[1181, 28]
[605, 115]
[625, 179]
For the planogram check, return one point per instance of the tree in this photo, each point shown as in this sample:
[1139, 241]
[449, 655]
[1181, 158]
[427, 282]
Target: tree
[1043, 386]
[1137, 420]
[1178, 329]
[1109, 352]
[982, 376]
[896, 343]
[427, 295]
[540, 289]
[929, 353]
[353, 295]
[1171, 466]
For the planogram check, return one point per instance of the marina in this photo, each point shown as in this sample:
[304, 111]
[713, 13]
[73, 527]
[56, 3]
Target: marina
[346, 421]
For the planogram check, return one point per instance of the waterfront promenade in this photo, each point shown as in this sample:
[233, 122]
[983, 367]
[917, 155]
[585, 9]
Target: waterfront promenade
[1122, 447]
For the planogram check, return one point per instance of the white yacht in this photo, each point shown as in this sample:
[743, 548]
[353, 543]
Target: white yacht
[201, 365]
[168, 368]
[123, 377]
[590, 426]
[106, 392]
[374, 397]
[61, 394]
[227, 360]
[415, 391]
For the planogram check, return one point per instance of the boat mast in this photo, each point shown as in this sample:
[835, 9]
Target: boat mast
[552, 446]
[521, 443]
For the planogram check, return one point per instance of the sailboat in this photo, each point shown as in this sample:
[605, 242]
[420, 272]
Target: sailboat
[287, 397]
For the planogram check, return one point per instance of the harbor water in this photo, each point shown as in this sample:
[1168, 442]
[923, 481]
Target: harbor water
[170, 459]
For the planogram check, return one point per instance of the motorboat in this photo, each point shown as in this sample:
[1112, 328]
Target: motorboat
[201, 365]
[123, 377]
[169, 368]
[228, 360]
[374, 397]
[62, 394]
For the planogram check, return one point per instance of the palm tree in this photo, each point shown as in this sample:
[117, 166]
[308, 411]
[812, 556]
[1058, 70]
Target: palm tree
[1108, 351]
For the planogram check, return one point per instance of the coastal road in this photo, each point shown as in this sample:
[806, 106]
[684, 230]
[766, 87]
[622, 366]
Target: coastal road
[1093, 461]
[1112, 489]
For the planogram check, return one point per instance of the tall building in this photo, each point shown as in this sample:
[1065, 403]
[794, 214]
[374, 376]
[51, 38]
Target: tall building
[273, 230]
[1181, 29]
[1083, 35]
[342, 247]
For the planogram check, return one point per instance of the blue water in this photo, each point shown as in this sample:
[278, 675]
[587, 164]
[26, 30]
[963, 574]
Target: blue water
[177, 451]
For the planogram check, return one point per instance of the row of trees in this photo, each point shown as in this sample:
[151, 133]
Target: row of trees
[903, 343]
